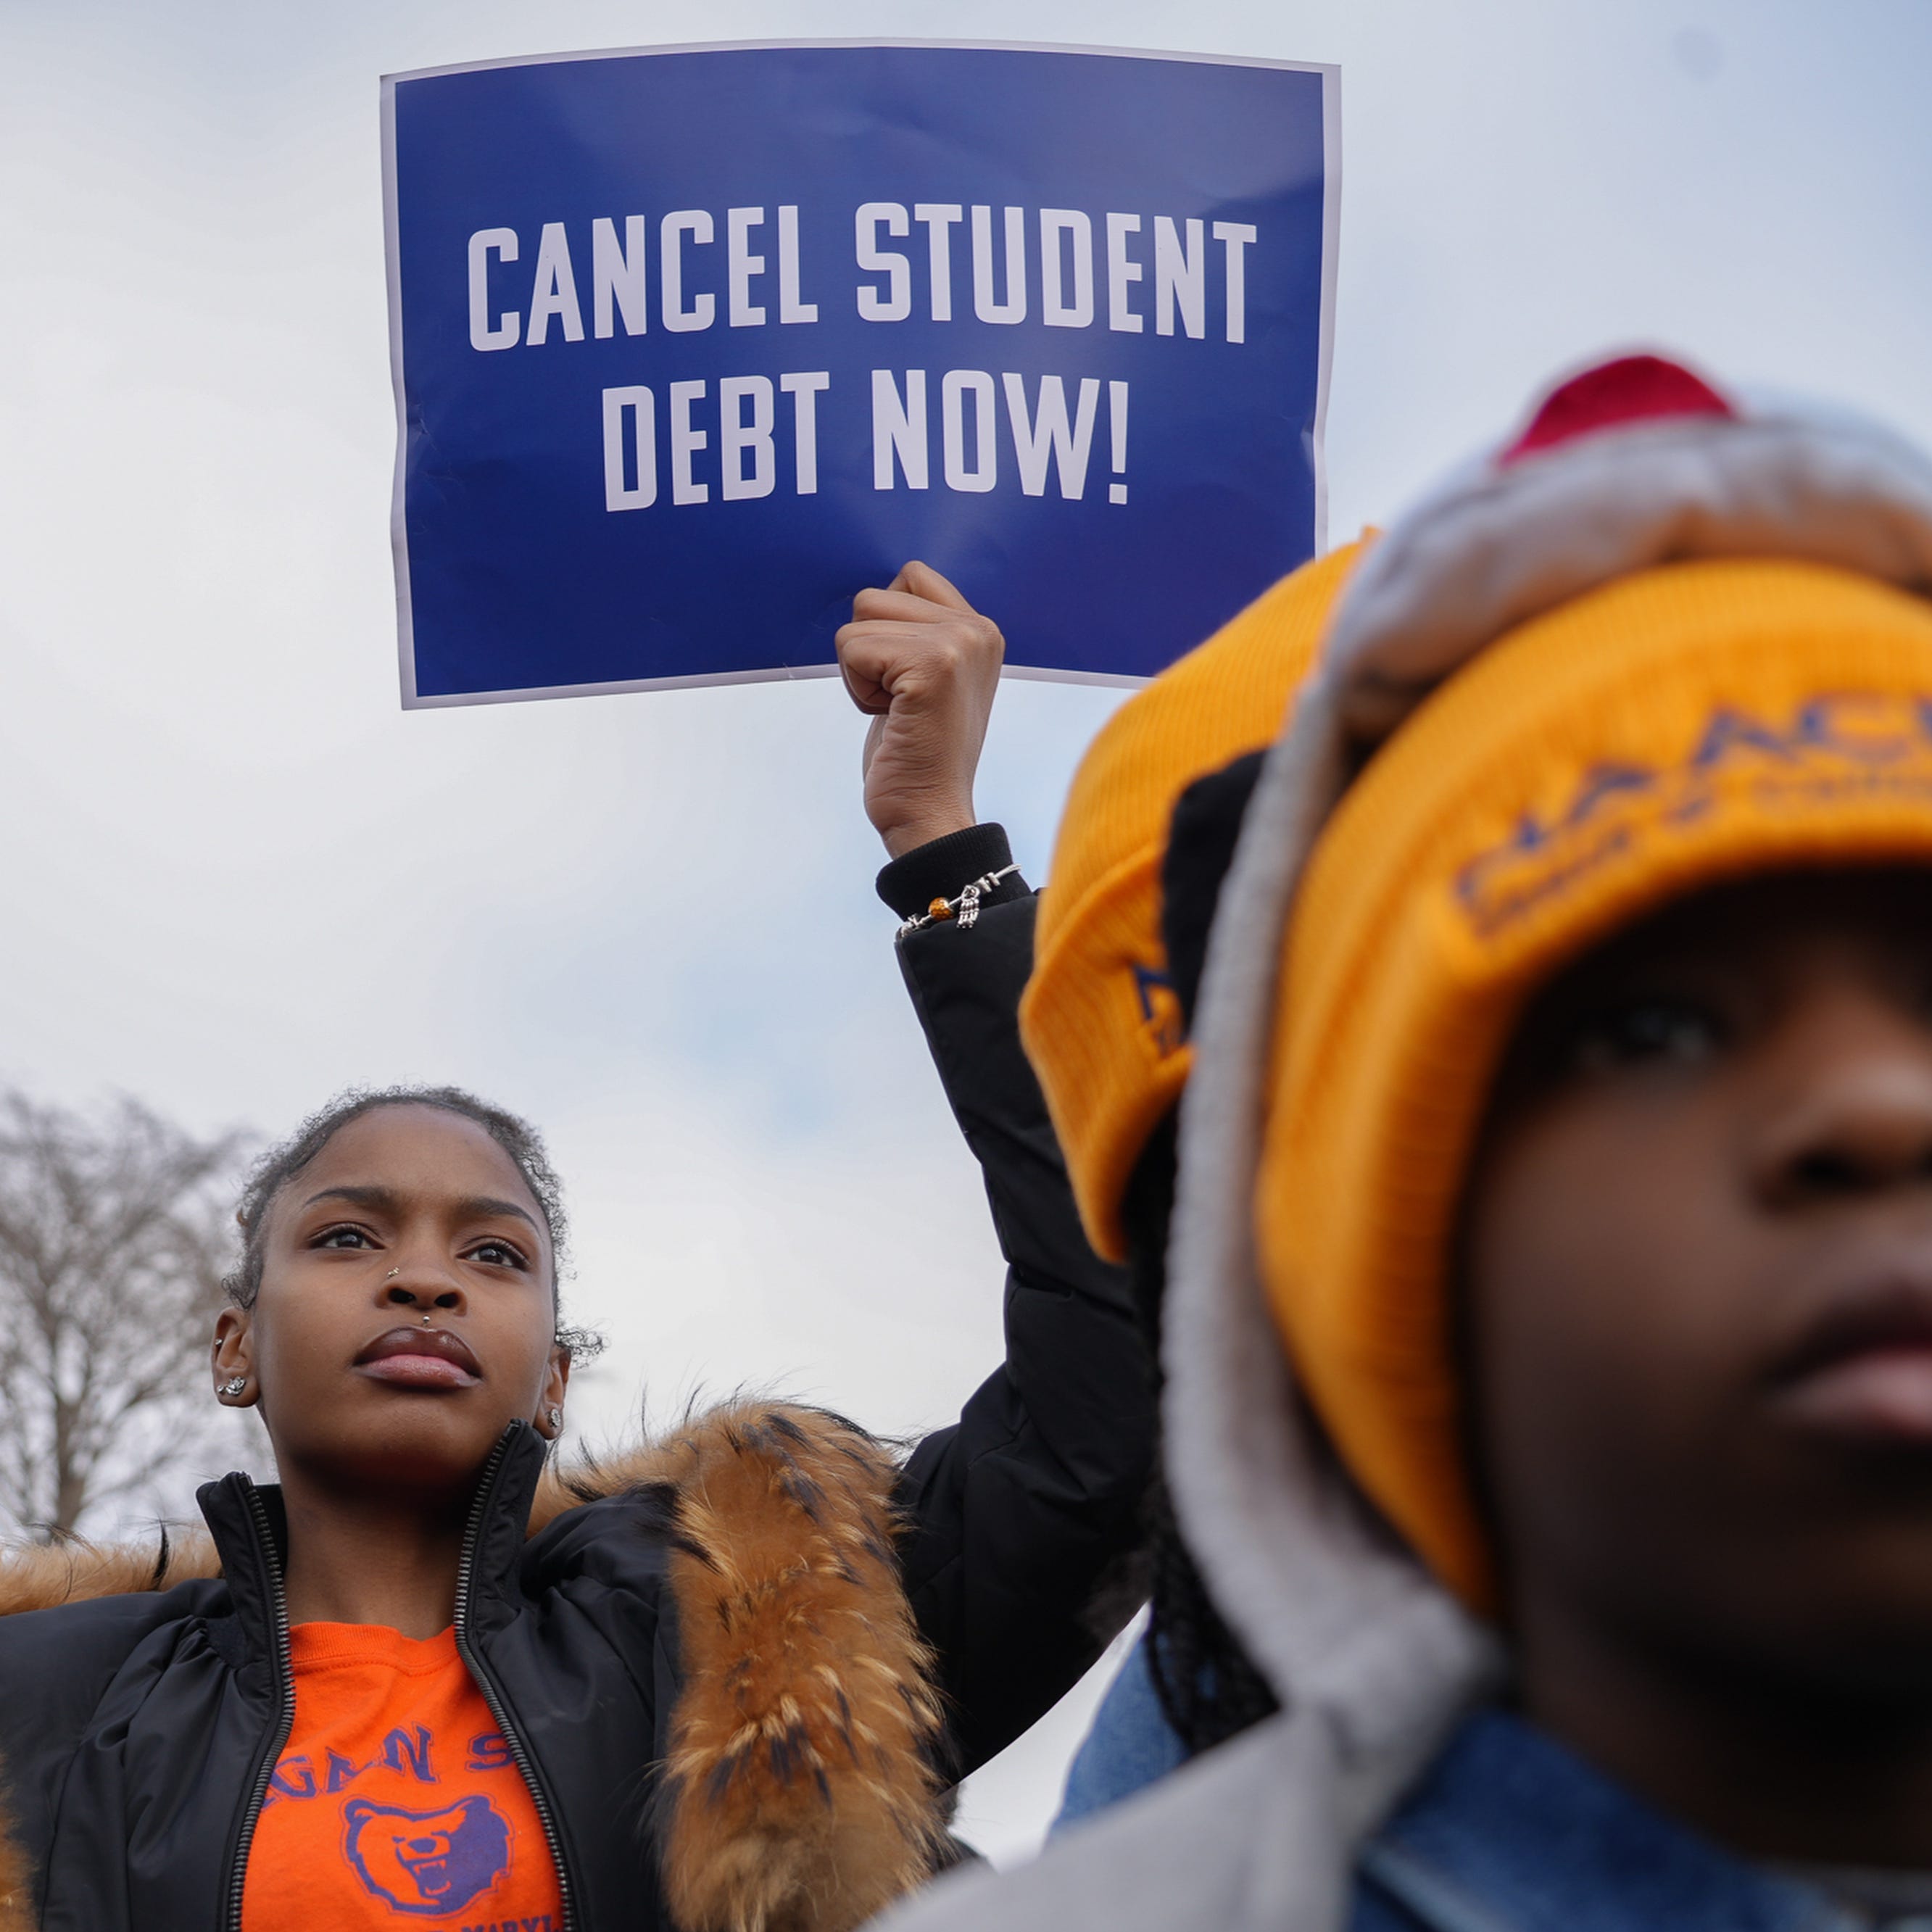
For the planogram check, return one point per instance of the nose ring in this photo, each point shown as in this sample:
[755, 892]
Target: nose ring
[392, 1274]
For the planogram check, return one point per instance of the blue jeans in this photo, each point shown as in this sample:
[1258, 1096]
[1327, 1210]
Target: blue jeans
[1129, 1745]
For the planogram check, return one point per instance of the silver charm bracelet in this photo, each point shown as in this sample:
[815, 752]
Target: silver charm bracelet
[965, 908]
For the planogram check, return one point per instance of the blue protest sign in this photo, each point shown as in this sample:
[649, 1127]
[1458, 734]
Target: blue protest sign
[691, 344]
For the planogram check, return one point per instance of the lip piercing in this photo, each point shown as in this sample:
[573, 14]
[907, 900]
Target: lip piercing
[234, 1385]
[425, 1320]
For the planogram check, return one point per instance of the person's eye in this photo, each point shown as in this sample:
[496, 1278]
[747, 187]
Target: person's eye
[498, 1254]
[342, 1237]
[1646, 1032]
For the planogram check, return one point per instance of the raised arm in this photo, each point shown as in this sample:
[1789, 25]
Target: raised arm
[1017, 1512]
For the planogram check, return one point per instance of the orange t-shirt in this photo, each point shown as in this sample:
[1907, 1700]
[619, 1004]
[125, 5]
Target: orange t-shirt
[396, 1802]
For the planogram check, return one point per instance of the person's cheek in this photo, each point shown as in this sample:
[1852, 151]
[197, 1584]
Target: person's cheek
[303, 1346]
[1606, 1265]
[1569, 1298]
[512, 1336]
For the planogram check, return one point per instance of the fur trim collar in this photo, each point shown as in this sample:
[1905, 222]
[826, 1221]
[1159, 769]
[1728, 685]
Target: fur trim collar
[15, 1894]
[798, 1794]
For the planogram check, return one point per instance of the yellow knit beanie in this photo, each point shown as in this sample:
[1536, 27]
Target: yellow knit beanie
[1651, 647]
[1099, 1020]
[1684, 725]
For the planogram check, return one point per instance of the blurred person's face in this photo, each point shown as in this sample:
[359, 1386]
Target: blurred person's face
[1697, 1273]
[408, 1211]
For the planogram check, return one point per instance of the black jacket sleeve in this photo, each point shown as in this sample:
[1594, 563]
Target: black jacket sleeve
[1016, 1512]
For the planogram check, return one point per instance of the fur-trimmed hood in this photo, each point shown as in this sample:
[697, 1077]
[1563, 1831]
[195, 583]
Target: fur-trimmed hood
[798, 1793]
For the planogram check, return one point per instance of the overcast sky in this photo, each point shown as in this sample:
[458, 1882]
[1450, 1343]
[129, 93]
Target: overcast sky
[240, 878]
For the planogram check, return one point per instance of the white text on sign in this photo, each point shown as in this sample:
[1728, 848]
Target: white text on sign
[1069, 268]
[1045, 433]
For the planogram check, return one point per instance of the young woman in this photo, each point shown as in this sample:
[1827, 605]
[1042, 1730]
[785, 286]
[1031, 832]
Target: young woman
[720, 1685]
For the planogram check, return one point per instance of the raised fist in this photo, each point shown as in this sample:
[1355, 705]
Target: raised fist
[925, 665]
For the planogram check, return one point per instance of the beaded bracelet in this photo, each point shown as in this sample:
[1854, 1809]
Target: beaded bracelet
[965, 908]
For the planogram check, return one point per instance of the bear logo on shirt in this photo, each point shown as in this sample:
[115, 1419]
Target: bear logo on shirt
[426, 1862]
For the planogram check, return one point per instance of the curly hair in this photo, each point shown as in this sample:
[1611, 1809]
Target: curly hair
[282, 1163]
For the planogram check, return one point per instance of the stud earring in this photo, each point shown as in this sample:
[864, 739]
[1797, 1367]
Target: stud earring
[234, 1386]
[556, 1418]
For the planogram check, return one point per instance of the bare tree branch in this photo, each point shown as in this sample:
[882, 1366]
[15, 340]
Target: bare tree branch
[113, 1233]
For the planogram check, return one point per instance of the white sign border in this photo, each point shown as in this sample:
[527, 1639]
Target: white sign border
[1331, 210]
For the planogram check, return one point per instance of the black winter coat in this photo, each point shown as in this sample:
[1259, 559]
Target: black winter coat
[138, 1729]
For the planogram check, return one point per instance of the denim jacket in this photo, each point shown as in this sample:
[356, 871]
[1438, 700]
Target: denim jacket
[1508, 1831]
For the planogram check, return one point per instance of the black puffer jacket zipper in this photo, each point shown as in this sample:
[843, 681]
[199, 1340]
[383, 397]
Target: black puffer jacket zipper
[285, 1711]
[486, 1681]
